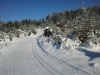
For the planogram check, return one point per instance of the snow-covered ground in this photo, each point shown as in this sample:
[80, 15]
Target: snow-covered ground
[35, 55]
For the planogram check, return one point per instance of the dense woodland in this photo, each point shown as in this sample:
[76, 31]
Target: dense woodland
[82, 22]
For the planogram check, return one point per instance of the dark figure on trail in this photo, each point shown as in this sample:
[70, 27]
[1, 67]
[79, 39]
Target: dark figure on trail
[47, 32]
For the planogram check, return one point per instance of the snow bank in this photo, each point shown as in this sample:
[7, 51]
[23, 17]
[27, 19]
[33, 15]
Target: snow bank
[85, 57]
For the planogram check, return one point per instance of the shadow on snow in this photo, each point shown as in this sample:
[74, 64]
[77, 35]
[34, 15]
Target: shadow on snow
[90, 54]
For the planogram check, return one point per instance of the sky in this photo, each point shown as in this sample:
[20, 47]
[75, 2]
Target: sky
[11, 10]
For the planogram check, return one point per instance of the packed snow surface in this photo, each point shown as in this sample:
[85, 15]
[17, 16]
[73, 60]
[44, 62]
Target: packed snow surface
[34, 55]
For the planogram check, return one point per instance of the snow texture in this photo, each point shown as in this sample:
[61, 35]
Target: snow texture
[35, 55]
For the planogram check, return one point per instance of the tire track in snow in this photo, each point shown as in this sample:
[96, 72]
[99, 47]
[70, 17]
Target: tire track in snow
[79, 71]
[43, 63]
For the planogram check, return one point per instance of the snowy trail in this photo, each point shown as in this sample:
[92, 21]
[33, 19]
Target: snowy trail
[59, 66]
[22, 62]
[42, 62]
[27, 58]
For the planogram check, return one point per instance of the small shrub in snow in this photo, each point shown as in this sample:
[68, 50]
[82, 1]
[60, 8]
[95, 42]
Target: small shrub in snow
[18, 33]
[25, 33]
[57, 40]
[29, 33]
[10, 37]
[34, 31]
[47, 32]
[83, 35]
[94, 40]
[82, 38]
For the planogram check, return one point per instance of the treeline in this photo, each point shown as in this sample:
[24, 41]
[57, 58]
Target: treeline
[19, 24]
[90, 13]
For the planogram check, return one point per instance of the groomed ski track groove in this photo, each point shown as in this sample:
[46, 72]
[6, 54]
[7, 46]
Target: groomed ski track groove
[48, 66]
[43, 63]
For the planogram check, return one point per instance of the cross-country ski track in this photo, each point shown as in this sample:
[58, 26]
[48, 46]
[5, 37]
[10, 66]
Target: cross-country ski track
[26, 57]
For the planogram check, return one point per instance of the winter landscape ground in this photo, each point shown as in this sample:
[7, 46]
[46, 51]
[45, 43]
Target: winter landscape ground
[36, 55]
[49, 37]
